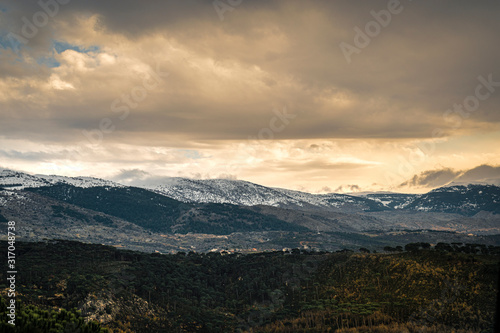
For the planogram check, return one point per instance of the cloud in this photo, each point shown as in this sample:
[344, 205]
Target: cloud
[227, 176]
[432, 178]
[319, 164]
[484, 174]
[347, 189]
[325, 189]
[481, 174]
[130, 176]
[137, 177]
[228, 79]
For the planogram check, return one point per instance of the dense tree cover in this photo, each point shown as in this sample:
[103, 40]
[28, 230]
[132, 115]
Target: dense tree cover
[34, 319]
[159, 213]
[3, 218]
[60, 211]
[136, 205]
[453, 247]
[465, 200]
[422, 290]
[419, 291]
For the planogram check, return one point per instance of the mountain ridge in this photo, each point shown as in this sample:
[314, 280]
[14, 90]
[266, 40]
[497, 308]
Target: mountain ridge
[17, 180]
[465, 200]
[240, 214]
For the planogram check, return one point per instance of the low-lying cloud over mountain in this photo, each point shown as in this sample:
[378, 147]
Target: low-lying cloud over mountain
[483, 174]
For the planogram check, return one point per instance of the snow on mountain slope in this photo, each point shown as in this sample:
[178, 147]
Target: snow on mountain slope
[335, 201]
[239, 192]
[464, 200]
[325, 200]
[15, 180]
[393, 200]
[235, 192]
[456, 199]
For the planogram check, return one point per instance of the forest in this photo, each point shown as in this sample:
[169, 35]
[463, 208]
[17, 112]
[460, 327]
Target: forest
[67, 286]
[159, 213]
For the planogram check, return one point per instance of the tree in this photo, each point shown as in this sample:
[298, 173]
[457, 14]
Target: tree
[412, 247]
[443, 247]
[425, 246]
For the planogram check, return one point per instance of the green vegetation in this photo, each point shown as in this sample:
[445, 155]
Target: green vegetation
[466, 200]
[136, 205]
[3, 218]
[34, 319]
[159, 213]
[59, 211]
[424, 289]
[104, 220]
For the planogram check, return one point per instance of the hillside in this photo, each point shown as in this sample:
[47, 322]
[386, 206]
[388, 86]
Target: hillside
[15, 180]
[159, 213]
[248, 194]
[463, 200]
[238, 215]
[433, 290]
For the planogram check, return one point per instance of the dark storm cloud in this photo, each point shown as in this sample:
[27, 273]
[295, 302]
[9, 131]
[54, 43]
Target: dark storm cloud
[228, 75]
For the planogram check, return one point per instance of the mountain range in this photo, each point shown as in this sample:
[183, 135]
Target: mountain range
[95, 209]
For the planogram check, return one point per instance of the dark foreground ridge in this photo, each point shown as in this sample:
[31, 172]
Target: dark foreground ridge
[420, 289]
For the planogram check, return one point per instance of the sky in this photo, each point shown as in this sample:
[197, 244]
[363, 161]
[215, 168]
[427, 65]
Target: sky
[318, 96]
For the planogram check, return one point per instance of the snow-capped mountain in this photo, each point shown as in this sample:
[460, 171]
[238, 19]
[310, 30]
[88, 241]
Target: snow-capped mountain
[236, 192]
[335, 201]
[464, 200]
[392, 200]
[19, 180]
[244, 193]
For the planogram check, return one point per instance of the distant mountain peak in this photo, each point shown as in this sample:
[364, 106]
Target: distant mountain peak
[465, 199]
[16, 180]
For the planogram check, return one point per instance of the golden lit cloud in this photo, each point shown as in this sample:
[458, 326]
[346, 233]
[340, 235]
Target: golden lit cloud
[265, 94]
